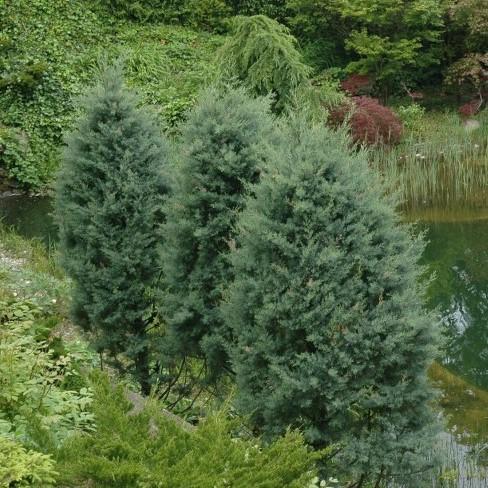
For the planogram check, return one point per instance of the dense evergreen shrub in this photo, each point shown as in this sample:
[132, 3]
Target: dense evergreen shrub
[223, 148]
[370, 122]
[20, 467]
[262, 54]
[109, 207]
[151, 450]
[327, 313]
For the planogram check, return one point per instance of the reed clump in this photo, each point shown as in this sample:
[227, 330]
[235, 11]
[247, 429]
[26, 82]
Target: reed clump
[441, 162]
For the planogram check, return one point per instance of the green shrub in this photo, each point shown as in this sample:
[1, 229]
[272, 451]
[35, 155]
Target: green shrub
[411, 115]
[33, 400]
[20, 467]
[109, 206]
[148, 449]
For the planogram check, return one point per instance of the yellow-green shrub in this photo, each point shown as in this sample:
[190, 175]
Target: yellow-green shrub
[21, 467]
[150, 450]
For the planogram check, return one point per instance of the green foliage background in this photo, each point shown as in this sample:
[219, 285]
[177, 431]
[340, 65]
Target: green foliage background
[65, 40]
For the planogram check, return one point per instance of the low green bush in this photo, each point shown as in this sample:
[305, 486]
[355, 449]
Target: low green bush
[149, 449]
[20, 467]
[33, 400]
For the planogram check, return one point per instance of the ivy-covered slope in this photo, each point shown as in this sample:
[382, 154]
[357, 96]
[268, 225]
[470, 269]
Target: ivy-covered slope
[49, 52]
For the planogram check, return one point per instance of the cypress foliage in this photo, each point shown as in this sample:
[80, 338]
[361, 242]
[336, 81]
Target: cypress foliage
[110, 201]
[331, 334]
[223, 148]
[262, 54]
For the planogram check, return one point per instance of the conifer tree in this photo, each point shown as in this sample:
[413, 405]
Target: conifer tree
[110, 201]
[262, 54]
[331, 335]
[223, 148]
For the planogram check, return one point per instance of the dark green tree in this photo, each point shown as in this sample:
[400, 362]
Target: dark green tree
[326, 310]
[223, 148]
[393, 42]
[109, 206]
[262, 54]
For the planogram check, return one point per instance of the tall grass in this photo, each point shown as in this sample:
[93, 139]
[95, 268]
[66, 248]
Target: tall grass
[440, 163]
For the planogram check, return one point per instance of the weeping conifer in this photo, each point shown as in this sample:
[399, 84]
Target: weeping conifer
[262, 54]
[109, 206]
[331, 334]
[223, 149]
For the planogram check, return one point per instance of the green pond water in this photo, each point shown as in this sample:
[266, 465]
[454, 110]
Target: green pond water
[457, 254]
[30, 216]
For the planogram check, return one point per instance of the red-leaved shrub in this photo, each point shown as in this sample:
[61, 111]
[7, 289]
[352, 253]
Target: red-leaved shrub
[471, 108]
[370, 122]
[355, 84]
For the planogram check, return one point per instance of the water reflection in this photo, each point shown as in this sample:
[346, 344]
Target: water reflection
[458, 254]
[30, 216]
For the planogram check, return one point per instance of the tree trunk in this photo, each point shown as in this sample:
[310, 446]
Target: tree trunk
[142, 371]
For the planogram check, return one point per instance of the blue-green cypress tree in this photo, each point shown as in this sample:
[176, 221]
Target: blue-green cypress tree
[223, 149]
[326, 310]
[110, 201]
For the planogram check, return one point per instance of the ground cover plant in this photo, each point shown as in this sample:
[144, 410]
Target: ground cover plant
[153, 450]
[49, 53]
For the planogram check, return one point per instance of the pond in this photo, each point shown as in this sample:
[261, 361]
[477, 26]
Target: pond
[457, 252]
[30, 216]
